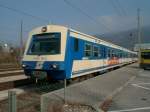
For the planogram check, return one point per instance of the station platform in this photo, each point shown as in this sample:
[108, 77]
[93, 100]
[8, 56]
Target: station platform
[93, 92]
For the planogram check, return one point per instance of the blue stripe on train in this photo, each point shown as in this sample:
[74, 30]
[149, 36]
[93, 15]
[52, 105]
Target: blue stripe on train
[29, 64]
[68, 57]
[47, 66]
[71, 55]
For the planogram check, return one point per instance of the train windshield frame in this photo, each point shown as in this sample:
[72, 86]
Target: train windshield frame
[45, 44]
[145, 55]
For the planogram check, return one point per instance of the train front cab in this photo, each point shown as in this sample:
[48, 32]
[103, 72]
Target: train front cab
[44, 55]
[145, 59]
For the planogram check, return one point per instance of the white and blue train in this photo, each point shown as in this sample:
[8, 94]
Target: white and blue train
[58, 52]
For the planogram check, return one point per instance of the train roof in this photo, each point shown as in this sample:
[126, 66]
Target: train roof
[103, 41]
[88, 36]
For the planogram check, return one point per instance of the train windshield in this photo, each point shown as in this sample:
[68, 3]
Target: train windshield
[145, 55]
[45, 44]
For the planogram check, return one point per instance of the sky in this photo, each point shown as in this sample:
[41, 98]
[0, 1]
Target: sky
[87, 16]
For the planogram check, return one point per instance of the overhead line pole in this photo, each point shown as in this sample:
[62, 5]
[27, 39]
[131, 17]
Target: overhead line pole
[115, 7]
[21, 40]
[86, 14]
[24, 13]
[123, 11]
[139, 25]
[139, 33]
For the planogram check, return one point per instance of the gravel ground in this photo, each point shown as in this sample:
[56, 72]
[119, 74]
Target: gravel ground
[27, 102]
[30, 102]
[78, 108]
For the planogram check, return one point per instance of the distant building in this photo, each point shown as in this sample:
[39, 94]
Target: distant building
[142, 46]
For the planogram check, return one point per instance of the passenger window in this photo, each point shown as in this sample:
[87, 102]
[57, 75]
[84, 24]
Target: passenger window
[109, 53]
[76, 45]
[95, 51]
[87, 51]
[112, 53]
[120, 55]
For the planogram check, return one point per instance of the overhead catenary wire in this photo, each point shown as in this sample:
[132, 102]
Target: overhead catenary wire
[24, 13]
[117, 7]
[122, 9]
[14, 29]
[90, 17]
[87, 15]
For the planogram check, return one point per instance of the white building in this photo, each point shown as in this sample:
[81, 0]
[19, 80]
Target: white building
[4, 47]
[142, 46]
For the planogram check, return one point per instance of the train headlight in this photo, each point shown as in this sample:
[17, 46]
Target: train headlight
[24, 66]
[55, 66]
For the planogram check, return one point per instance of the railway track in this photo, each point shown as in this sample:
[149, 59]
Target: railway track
[11, 73]
[9, 66]
[9, 69]
[11, 76]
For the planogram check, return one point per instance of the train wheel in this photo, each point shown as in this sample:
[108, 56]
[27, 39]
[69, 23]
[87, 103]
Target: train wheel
[70, 81]
[49, 78]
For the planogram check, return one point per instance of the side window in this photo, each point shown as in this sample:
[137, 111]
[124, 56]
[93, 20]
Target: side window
[116, 53]
[112, 53]
[95, 51]
[87, 50]
[109, 53]
[120, 54]
[76, 45]
[101, 52]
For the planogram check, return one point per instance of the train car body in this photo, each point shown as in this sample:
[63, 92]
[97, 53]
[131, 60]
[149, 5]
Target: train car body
[145, 58]
[59, 52]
